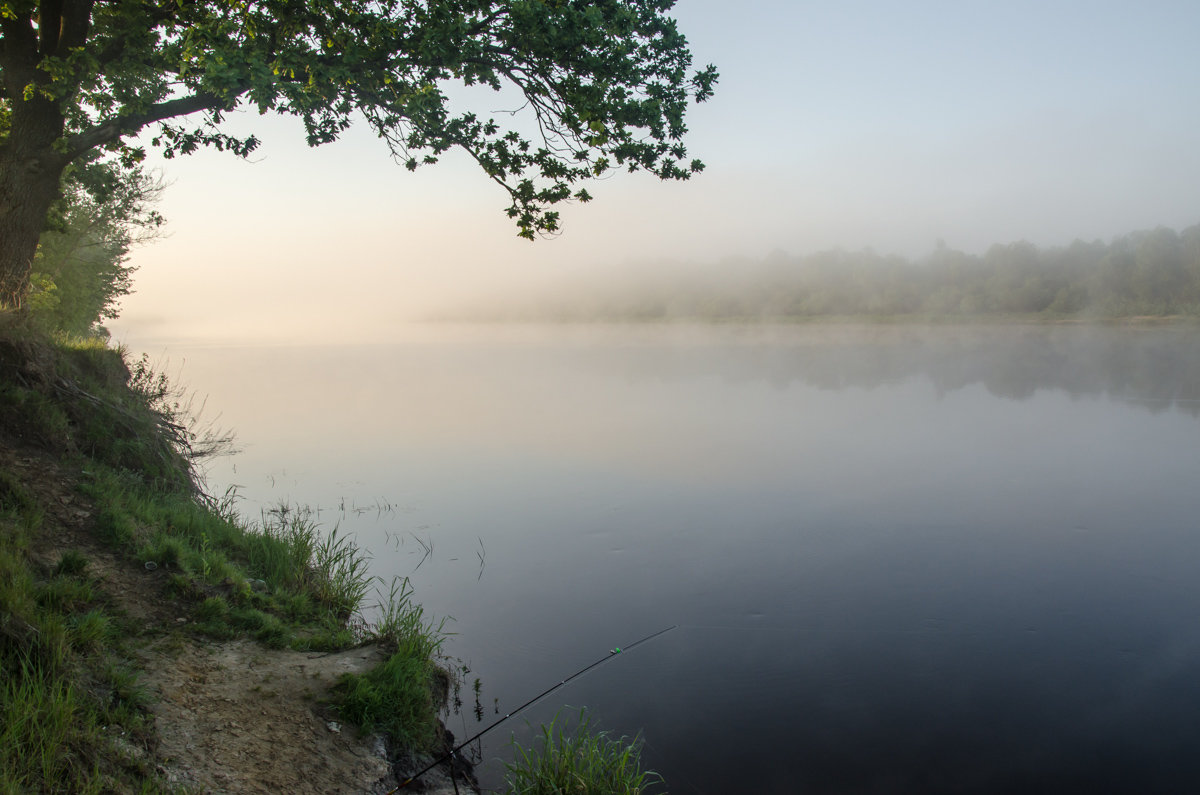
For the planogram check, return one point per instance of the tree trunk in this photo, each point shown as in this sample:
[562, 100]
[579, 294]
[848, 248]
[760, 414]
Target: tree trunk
[26, 192]
[30, 171]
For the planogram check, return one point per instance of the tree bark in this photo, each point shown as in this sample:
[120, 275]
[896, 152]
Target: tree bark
[30, 168]
[30, 173]
[25, 198]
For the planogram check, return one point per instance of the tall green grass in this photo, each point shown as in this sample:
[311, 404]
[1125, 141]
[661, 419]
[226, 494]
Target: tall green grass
[43, 722]
[401, 696]
[53, 629]
[287, 565]
[290, 549]
[578, 762]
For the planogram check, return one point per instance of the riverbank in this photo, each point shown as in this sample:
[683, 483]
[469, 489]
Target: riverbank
[157, 643]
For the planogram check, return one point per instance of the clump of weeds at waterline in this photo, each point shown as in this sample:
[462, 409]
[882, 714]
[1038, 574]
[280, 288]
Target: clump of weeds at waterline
[402, 695]
[291, 551]
[581, 762]
[340, 576]
[401, 620]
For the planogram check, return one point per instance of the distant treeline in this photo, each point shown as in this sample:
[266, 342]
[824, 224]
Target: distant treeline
[1153, 272]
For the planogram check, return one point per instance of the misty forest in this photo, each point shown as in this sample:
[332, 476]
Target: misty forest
[1145, 273]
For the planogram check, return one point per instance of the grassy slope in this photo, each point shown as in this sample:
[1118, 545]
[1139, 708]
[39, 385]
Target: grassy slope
[95, 485]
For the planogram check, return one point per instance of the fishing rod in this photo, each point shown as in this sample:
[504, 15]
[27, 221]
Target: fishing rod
[611, 653]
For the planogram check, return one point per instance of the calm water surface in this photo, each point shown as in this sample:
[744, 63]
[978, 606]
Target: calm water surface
[899, 560]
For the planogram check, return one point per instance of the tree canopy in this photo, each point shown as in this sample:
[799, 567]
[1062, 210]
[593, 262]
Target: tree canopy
[607, 84]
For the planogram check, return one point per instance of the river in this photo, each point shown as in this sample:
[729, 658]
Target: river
[896, 559]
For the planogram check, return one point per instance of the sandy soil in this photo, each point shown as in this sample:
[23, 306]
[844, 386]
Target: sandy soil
[235, 717]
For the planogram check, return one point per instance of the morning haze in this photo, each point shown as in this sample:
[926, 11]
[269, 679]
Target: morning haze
[846, 126]
[954, 553]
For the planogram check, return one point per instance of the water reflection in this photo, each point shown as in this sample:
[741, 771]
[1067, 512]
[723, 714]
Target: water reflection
[1156, 368]
[902, 560]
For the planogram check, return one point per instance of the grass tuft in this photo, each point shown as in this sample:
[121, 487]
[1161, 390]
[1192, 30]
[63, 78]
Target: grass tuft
[402, 695]
[214, 608]
[73, 563]
[402, 621]
[91, 631]
[339, 572]
[65, 594]
[580, 762]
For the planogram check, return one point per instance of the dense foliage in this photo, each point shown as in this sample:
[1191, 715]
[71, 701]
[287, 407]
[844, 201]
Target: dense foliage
[604, 85]
[1153, 272]
[80, 271]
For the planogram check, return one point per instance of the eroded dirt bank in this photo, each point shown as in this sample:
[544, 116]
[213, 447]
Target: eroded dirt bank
[237, 717]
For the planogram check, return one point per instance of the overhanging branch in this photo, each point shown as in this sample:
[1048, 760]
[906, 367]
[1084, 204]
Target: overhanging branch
[116, 128]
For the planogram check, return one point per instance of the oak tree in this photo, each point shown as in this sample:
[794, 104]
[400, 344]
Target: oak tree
[607, 83]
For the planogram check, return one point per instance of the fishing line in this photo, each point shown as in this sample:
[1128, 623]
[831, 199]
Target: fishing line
[611, 653]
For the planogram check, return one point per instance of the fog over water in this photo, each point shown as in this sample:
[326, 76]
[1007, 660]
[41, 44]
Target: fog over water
[835, 125]
[899, 559]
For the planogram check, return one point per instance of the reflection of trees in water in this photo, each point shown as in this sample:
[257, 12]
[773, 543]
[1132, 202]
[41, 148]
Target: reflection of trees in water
[1155, 368]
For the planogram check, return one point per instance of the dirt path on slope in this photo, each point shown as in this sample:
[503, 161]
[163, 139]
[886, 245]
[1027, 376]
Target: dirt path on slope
[237, 717]
[229, 717]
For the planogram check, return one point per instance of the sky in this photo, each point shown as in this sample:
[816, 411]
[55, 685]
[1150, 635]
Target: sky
[885, 125]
